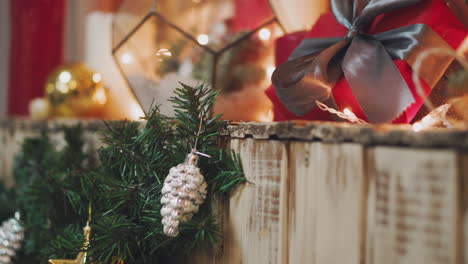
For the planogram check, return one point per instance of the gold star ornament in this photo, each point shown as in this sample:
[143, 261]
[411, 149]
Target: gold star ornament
[81, 258]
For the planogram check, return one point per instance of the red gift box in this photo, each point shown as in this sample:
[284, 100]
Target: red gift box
[434, 14]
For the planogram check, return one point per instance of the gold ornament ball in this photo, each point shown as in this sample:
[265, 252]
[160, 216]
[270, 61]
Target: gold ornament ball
[74, 90]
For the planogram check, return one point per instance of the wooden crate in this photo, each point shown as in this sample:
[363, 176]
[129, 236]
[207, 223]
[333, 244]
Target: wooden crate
[331, 193]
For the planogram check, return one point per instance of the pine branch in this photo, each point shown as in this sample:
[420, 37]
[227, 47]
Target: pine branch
[194, 105]
[230, 173]
[67, 243]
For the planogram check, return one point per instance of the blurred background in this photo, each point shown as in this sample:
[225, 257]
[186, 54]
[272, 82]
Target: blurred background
[113, 59]
[36, 37]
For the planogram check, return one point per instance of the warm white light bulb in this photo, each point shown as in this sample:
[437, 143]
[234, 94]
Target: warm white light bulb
[348, 112]
[126, 58]
[63, 88]
[97, 77]
[65, 77]
[264, 34]
[203, 39]
[100, 96]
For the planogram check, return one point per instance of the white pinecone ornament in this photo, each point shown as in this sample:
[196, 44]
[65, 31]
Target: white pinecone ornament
[11, 237]
[183, 192]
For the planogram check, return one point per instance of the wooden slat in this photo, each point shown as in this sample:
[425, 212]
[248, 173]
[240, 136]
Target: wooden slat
[413, 206]
[340, 196]
[463, 217]
[302, 205]
[327, 188]
[255, 230]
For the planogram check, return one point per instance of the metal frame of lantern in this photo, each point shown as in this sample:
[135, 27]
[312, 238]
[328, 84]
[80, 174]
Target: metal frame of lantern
[216, 54]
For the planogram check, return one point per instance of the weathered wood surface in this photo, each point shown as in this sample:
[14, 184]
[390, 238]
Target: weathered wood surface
[329, 193]
[302, 204]
[334, 132]
[326, 192]
[463, 207]
[414, 206]
[255, 230]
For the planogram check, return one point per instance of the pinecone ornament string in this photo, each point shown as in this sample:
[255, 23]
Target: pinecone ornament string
[183, 192]
[11, 237]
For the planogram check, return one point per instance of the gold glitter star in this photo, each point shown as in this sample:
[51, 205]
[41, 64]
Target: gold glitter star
[81, 258]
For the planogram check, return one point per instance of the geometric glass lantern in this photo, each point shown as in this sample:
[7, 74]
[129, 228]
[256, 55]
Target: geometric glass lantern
[228, 44]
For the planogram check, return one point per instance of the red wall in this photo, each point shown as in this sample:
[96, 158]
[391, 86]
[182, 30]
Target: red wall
[37, 44]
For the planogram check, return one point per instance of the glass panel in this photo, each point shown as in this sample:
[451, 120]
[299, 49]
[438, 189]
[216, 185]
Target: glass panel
[215, 22]
[243, 73]
[128, 16]
[155, 58]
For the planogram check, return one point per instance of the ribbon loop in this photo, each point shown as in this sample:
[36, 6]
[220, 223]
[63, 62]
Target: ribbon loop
[301, 81]
[374, 91]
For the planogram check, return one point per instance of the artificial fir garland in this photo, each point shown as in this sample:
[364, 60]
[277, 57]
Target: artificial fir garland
[51, 193]
[124, 187]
